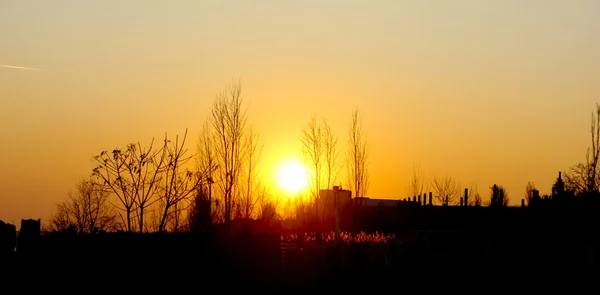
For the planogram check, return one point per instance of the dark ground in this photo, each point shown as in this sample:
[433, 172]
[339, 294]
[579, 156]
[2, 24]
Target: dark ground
[516, 247]
[247, 261]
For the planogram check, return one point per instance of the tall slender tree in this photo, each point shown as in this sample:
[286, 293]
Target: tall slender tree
[418, 184]
[312, 151]
[358, 156]
[228, 120]
[331, 155]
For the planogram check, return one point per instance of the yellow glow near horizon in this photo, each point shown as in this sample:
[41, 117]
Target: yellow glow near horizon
[291, 177]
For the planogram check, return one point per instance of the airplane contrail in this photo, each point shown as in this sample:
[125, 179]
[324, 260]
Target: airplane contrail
[22, 68]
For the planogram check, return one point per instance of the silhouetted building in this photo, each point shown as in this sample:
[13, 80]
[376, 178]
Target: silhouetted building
[558, 188]
[29, 236]
[371, 203]
[8, 239]
[498, 198]
[558, 198]
[327, 204]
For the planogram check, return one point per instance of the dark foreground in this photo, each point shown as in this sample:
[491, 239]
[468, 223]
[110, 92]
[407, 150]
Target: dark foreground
[263, 261]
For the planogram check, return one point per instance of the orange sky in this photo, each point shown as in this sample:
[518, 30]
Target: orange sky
[486, 91]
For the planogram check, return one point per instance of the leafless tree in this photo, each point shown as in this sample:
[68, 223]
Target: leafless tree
[229, 126]
[268, 210]
[446, 190]
[358, 168]
[474, 196]
[584, 178]
[529, 192]
[593, 152]
[252, 185]
[576, 179]
[62, 218]
[417, 185]
[290, 207]
[206, 162]
[177, 182]
[312, 151]
[132, 175]
[319, 149]
[331, 155]
[87, 209]
[177, 221]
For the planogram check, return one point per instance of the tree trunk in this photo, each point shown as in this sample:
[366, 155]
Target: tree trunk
[141, 219]
[163, 219]
[128, 219]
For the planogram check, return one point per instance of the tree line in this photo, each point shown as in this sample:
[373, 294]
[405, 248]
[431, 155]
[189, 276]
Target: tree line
[164, 187]
[581, 180]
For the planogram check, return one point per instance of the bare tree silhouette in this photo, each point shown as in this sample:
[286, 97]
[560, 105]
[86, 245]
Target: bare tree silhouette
[268, 211]
[529, 192]
[61, 219]
[332, 163]
[474, 196]
[313, 152]
[177, 183]
[583, 178]
[358, 165]
[229, 126]
[132, 175]
[206, 162]
[446, 189]
[253, 189]
[418, 184]
[87, 209]
[576, 179]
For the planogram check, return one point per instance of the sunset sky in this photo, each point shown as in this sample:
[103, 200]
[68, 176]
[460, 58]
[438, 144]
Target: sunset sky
[486, 91]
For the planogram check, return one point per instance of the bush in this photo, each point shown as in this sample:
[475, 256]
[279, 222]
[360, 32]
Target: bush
[345, 237]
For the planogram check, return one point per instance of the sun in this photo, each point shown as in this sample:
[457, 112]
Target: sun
[291, 177]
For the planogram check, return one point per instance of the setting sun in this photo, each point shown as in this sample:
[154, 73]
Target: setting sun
[291, 177]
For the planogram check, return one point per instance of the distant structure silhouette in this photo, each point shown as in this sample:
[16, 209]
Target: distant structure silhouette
[498, 198]
[558, 189]
[29, 236]
[8, 239]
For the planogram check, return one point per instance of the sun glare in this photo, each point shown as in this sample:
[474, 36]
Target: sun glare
[292, 177]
